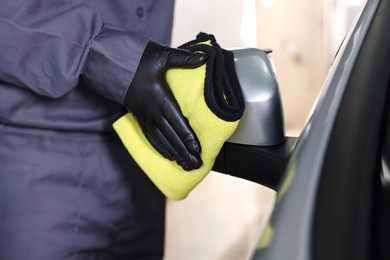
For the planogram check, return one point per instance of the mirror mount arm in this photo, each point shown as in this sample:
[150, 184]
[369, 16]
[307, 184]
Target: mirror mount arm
[264, 165]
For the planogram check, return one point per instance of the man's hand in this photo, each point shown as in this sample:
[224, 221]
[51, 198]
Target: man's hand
[151, 101]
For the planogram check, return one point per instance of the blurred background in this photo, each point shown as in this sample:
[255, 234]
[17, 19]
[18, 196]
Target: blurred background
[224, 216]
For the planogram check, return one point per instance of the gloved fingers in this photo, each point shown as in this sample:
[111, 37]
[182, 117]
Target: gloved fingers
[185, 58]
[174, 155]
[174, 145]
[181, 126]
[160, 148]
[160, 143]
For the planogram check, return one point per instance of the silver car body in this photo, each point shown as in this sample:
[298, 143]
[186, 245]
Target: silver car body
[289, 233]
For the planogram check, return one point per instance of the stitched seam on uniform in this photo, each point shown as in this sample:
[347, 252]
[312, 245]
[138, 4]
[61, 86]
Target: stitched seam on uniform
[78, 215]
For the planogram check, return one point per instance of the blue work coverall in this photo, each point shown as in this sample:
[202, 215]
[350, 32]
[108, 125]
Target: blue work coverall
[68, 188]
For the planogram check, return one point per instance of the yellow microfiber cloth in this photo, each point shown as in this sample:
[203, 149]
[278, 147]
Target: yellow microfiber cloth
[210, 98]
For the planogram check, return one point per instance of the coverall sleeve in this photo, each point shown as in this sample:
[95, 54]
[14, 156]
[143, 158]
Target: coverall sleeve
[48, 46]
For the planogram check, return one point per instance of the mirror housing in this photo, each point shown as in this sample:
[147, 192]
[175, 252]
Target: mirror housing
[262, 123]
[258, 149]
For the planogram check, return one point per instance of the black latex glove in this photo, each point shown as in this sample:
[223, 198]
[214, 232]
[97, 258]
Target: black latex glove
[151, 101]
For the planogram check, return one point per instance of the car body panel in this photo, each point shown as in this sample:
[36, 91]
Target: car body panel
[289, 233]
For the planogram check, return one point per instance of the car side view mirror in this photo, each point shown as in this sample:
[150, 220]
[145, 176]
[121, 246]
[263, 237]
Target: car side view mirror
[258, 150]
[262, 123]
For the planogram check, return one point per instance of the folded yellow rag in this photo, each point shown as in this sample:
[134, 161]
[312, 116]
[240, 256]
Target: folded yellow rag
[210, 98]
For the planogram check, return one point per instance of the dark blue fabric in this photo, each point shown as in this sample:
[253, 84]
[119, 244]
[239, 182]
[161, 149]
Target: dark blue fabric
[69, 189]
[75, 196]
[68, 64]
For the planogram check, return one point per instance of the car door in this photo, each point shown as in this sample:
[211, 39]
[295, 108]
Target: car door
[331, 203]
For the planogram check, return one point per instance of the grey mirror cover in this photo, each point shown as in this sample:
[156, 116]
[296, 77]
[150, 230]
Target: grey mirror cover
[262, 123]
